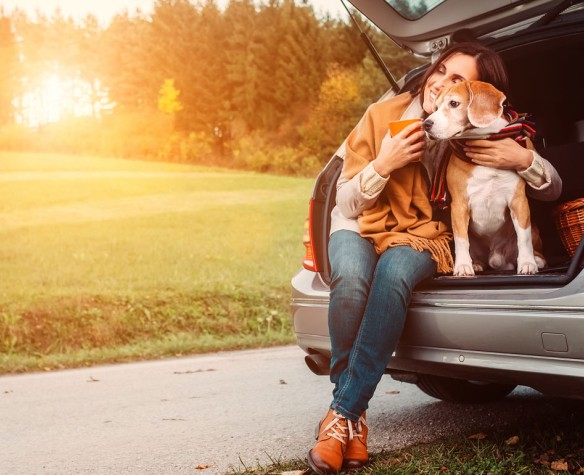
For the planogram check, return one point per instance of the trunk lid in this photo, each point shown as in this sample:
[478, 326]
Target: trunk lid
[425, 27]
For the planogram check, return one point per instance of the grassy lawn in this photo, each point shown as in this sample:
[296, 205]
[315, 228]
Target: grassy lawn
[112, 260]
[551, 445]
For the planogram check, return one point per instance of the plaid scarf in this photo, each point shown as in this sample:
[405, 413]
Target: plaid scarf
[519, 129]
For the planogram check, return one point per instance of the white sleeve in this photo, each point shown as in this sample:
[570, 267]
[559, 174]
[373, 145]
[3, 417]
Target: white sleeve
[360, 192]
[543, 180]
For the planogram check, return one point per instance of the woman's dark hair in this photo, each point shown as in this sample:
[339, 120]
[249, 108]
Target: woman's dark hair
[489, 65]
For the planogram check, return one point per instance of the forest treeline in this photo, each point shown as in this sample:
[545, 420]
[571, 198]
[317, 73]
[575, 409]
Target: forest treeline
[268, 87]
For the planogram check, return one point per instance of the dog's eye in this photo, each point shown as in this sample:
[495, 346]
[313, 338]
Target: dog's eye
[454, 104]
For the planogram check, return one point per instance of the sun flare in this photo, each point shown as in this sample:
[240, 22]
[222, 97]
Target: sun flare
[55, 98]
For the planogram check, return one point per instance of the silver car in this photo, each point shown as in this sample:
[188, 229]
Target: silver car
[473, 339]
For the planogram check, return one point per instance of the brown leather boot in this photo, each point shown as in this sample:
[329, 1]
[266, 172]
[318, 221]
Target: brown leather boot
[331, 435]
[356, 455]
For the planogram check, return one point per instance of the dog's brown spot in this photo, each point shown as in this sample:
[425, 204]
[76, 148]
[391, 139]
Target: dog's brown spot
[519, 206]
[457, 175]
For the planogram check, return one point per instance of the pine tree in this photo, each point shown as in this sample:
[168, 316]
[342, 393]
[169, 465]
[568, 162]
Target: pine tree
[242, 65]
[175, 51]
[127, 71]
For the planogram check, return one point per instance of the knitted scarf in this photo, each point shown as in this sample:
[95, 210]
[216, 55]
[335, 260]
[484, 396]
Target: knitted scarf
[402, 214]
[519, 128]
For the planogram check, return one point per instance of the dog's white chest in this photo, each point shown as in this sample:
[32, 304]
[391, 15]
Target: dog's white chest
[489, 192]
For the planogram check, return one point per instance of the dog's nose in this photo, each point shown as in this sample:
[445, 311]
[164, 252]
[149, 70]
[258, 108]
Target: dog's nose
[428, 124]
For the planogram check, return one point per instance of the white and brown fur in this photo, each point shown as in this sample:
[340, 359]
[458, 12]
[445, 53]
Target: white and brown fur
[490, 214]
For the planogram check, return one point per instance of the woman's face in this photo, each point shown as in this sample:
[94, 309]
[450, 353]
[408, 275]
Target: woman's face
[458, 67]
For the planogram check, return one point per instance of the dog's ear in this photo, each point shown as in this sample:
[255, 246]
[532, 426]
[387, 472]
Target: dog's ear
[486, 103]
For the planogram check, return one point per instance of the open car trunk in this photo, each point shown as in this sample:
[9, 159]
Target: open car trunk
[546, 81]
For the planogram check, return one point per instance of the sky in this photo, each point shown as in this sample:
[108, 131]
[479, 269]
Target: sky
[105, 9]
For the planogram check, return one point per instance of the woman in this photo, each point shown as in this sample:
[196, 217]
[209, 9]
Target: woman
[384, 240]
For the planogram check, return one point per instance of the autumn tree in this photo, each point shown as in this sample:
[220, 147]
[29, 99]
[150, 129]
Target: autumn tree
[168, 101]
[337, 111]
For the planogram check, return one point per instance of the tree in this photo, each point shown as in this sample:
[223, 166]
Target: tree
[89, 59]
[344, 44]
[408, 9]
[9, 79]
[244, 55]
[174, 50]
[276, 62]
[128, 72]
[337, 111]
[168, 98]
[300, 61]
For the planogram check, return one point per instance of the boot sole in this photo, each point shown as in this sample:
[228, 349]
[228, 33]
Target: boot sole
[318, 470]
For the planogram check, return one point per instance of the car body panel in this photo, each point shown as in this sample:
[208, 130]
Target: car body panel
[507, 335]
[432, 32]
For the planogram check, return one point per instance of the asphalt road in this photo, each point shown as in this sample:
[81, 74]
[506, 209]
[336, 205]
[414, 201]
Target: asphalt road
[225, 411]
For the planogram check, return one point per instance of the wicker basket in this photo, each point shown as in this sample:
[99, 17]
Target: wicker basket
[570, 222]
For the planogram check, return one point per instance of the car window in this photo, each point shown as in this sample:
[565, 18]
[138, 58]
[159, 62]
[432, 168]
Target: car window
[413, 9]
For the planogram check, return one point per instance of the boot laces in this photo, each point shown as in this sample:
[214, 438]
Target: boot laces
[356, 428]
[336, 429]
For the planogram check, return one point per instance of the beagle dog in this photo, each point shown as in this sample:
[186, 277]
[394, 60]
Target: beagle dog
[490, 214]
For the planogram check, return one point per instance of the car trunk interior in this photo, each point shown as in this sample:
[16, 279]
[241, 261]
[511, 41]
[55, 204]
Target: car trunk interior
[547, 81]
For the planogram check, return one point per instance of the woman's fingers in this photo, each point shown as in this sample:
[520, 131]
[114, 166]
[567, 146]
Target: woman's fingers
[505, 154]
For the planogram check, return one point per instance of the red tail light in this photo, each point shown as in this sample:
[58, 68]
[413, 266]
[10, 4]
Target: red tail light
[309, 261]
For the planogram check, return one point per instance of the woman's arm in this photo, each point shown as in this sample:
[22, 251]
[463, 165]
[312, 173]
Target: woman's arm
[359, 193]
[542, 179]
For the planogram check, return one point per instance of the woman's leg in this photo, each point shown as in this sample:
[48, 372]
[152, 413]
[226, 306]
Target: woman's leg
[353, 261]
[398, 271]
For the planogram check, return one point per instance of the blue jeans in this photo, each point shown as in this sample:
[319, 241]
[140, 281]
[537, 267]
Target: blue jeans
[369, 300]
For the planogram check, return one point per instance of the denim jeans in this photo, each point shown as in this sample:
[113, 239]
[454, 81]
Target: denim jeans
[369, 300]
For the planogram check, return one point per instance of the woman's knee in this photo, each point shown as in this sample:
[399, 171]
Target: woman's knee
[352, 258]
[350, 268]
[404, 267]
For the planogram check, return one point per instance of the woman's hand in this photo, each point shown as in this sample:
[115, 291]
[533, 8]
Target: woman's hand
[505, 154]
[396, 152]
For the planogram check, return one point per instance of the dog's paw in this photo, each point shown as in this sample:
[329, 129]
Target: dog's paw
[527, 268]
[541, 262]
[478, 267]
[463, 270]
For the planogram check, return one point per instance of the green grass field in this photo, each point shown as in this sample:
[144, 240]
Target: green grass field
[110, 260]
[114, 260]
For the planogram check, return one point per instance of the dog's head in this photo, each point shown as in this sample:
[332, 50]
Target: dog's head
[463, 106]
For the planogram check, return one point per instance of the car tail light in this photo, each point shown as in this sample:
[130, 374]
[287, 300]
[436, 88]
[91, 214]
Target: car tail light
[309, 261]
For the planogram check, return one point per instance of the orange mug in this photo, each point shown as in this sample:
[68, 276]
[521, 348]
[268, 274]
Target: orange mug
[396, 126]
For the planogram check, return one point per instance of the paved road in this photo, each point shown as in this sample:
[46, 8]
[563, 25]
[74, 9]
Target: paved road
[226, 410]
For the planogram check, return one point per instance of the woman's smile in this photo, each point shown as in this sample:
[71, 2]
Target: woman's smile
[458, 67]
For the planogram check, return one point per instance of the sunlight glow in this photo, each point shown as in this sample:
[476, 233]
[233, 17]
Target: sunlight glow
[55, 98]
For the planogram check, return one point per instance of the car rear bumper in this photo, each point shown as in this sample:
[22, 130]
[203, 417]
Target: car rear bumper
[523, 337]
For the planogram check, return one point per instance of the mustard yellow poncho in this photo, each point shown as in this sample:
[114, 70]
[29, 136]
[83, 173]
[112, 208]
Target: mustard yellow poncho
[402, 214]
